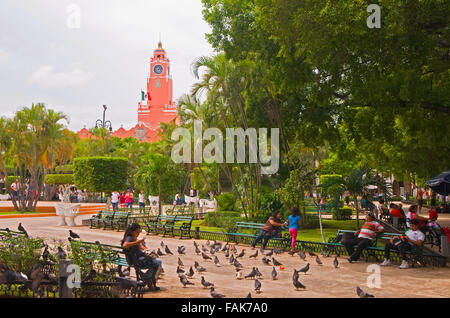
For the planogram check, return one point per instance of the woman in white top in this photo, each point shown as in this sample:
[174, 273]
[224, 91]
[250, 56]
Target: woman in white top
[115, 200]
[141, 201]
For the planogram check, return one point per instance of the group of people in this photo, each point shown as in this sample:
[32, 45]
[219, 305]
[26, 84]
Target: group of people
[414, 236]
[125, 200]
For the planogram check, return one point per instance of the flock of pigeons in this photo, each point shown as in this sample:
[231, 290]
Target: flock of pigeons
[35, 275]
[210, 251]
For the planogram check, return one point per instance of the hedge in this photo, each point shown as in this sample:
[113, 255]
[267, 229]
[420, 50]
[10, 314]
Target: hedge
[101, 174]
[342, 214]
[225, 202]
[58, 179]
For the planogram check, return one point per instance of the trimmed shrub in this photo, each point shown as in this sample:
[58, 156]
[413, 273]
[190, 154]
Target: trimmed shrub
[101, 174]
[225, 202]
[342, 214]
[225, 220]
[309, 221]
[57, 179]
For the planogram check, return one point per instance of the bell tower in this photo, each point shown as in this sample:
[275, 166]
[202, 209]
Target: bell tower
[159, 106]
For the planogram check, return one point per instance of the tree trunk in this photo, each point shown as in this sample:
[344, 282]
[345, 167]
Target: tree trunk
[357, 212]
[159, 194]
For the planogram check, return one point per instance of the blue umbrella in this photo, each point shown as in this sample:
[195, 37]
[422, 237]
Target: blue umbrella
[441, 183]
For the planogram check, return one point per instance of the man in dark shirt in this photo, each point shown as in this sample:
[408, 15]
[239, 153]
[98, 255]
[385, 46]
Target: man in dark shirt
[269, 230]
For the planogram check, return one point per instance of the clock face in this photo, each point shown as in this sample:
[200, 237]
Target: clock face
[158, 69]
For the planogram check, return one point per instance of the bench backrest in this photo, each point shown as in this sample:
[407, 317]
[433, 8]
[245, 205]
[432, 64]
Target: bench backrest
[249, 225]
[121, 215]
[108, 214]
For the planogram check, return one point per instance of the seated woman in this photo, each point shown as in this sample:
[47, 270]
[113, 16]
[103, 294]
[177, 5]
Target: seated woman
[271, 229]
[134, 251]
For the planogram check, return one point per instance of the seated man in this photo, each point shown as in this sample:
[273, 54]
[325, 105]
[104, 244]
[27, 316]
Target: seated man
[134, 250]
[412, 238]
[271, 229]
[363, 238]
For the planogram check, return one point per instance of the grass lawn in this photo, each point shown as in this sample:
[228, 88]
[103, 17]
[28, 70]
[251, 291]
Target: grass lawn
[330, 228]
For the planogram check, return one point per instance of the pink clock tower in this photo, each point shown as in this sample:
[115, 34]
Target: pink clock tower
[157, 106]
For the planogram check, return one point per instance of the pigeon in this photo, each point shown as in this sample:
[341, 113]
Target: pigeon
[9, 276]
[275, 262]
[252, 274]
[162, 244]
[195, 244]
[190, 274]
[295, 275]
[232, 259]
[180, 263]
[291, 253]
[270, 253]
[160, 253]
[362, 294]
[207, 243]
[206, 257]
[127, 283]
[254, 255]
[258, 286]
[212, 251]
[123, 273]
[73, 235]
[216, 261]
[266, 261]
[90, 276]
[197, 251]
[45, 253]
[302, 255]
[237, 264]
[226, 247]
[241, 254]
[199, 268]
[274, 274]
[318, 261]
[234, 249]
[311, 253]
[179, 270]
[238, 274]
[336, 262]
[167, 250]
[181, 250]
[304, 269]
[298, 285]
[258, 273]
[206, 284]
[227, 253]
[249, 295]
[185, 282]
[36, 276]
[204, 249]
[61, 254]
[277, 251]
[215, 294]
[22, 229]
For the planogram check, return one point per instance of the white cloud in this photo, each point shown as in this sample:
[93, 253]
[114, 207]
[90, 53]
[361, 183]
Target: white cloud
[46, 75]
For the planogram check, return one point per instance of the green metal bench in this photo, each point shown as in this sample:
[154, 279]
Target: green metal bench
[120, 220]
[255, 228]
[170, 223]
[94, 221]
[96, 249]
[107, 219]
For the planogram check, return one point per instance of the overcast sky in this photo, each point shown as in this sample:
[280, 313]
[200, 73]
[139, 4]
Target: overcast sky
[45, 58]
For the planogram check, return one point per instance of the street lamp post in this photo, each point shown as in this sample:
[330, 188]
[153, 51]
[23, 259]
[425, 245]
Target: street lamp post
[105, 123]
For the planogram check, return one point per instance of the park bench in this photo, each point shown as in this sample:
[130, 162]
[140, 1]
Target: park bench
[94, 221]
[170, 223]
[255, 228]
[106, 219]
[120, 220]
[375, 249]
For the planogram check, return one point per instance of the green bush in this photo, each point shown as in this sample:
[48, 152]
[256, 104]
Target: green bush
[57, 179]
[309, 221]
[101, 174]
[342, 214]
[225, 202]
[225, 220]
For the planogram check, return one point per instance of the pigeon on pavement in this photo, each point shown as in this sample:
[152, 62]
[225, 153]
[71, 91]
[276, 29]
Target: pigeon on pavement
[254, 255]
[73, 235]
[205, 283]
[215, 294]
[258, 286]
[336, 262]
[167, 250]
[275, 262]
[274, 274]
[363, 294]
[304, 269]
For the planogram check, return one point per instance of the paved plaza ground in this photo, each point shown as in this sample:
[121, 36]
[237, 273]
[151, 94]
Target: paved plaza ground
[321, 281]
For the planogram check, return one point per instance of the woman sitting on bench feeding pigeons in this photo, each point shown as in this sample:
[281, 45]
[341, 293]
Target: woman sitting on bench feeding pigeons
[271, 229]
[134, 251]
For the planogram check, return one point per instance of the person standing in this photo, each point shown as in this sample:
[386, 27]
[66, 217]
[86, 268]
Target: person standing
[15, 188]
[115, 201]
[269, 230]
[294, 225]
[347, 197]
[2, 185]
[129, 199]
[141, 202]
[412, 214]
[419, 197]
